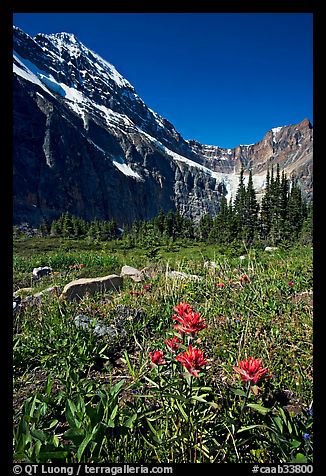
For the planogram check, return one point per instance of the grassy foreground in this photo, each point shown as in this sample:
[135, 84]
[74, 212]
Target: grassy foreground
[81, 398]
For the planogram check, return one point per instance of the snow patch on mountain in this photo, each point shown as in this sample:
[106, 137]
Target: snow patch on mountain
[126, 170]
[27, 70]
[230, 181]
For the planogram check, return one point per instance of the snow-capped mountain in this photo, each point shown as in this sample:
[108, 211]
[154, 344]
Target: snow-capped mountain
[85, 142]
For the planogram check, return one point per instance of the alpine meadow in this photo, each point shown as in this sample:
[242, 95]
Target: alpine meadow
[162, 287]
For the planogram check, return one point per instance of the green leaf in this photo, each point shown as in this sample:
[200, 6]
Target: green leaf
[129, 423]
[259, 408]
[116, 389]
[300, 458]
[239, 392]
[39, 435]
[71, 414]
[185, 416]
[73, 433]
[279, 423]
[83, 445]
[53, 423]
[295, 443]
[55, 441]
[157, 434]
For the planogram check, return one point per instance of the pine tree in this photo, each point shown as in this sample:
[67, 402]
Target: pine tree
[296, 210]
[170, 224]
[266, 209]
[76, 231]
[283, 207]
[159, 222]
[205, 226]
[44, 227]
[67, 229]
[239, 207]
[251, 207]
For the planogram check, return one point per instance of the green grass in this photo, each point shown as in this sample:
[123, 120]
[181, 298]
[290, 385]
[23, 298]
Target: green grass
[76, 398]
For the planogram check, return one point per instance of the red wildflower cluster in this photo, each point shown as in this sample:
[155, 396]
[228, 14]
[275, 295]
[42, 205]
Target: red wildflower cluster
[157, 357]
[290, 283]
[244, 279]
[76, 266]
[192, 359]
[220, 285]
[189, 321]
[251, 370]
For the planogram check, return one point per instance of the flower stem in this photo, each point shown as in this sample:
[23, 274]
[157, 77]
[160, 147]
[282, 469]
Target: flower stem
[244, 401]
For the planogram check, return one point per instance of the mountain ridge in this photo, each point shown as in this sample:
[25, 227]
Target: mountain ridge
[85, 116]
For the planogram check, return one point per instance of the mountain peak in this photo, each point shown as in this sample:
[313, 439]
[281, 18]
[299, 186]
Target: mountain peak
[64, 36]
[86, 143]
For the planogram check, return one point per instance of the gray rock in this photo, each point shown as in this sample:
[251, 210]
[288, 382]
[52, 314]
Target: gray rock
[77, 289]
[101, 330]
[41, 271]
[124, 312]
[15, 306]
[132, 273]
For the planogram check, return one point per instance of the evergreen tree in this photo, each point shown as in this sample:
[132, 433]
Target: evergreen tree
[296, 210]
[159, 222]
[170, 224]
[205, 226]
[239, 207]
[283, 207]
[251, 208]
[266, 209]
[67, 229]
[44, 227]
[57, 226]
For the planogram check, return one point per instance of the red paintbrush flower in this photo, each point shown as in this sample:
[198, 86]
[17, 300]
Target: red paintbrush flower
[251, 370]
[189, 321]
[157, 357]
[182, 309]
[244, 279]
[220, 285]
[192, 359]
[173, 342]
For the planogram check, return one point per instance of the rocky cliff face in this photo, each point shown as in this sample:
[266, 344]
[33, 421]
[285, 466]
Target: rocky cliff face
[86, 143]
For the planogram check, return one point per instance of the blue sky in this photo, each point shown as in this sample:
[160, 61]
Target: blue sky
[220, 78]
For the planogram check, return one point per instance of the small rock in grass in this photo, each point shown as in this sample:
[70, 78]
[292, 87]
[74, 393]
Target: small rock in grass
[133, 273]
[271, 248]
[41, 271]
